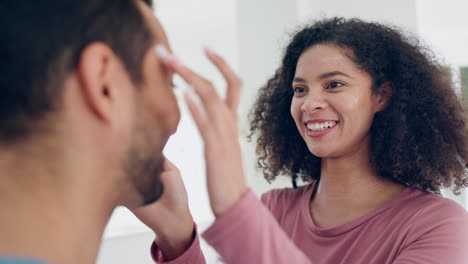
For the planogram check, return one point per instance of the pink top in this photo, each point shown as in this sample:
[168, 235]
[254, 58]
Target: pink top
[415, 227]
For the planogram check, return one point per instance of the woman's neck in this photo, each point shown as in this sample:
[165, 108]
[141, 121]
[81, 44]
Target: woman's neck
[349, 187]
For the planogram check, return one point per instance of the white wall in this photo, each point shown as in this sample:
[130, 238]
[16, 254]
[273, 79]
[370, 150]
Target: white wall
[398, 12]
[444, 25]
[262, 29]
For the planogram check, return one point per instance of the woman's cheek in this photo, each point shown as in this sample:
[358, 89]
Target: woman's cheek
[295, 111]
[345, 101]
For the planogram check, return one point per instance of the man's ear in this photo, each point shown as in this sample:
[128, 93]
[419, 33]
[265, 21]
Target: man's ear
[384, 95]
[94, 73]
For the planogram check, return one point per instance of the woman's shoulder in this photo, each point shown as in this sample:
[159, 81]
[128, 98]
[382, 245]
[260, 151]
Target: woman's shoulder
[432, 212]
[430, 219]
[277, 199]
[434, 205]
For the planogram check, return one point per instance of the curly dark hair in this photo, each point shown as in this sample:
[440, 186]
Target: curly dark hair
[419, 140]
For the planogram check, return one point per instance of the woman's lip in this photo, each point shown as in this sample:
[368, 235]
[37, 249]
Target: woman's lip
[316, 134]
[319, 121]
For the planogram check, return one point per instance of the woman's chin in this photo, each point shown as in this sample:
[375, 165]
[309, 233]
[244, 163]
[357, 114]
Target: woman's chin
[320, 153]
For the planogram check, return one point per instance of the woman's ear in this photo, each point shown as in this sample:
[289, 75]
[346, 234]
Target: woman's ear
[384, 96]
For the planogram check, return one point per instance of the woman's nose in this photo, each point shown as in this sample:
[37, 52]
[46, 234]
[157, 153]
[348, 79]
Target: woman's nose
[313, 102]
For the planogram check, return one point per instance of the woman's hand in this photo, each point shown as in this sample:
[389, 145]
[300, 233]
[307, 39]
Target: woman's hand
[216, 120]
[169, 217]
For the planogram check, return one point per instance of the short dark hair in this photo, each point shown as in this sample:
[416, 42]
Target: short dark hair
[420, 139]
[41, 43]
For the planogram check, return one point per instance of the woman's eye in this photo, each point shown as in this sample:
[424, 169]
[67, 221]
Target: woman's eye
[334, 85]
[298, 89]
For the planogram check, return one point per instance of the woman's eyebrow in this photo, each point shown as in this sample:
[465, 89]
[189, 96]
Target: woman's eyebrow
[299, 79]
[333, 73]
[323, 76]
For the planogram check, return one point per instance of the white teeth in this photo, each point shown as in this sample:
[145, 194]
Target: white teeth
[321, 126]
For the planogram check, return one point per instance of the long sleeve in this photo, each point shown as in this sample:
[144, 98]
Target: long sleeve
[248, 233]
[193, 255]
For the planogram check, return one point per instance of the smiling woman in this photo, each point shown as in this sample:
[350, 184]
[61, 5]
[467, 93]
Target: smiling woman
[418, 139]
[333, 105]
[369, 118]
[370, 121]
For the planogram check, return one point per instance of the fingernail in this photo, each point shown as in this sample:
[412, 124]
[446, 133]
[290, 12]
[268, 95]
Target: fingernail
[161, 51]
[209, 50]
[191, 93]
[175, 60]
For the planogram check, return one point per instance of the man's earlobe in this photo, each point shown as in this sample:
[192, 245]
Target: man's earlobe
[94, 75]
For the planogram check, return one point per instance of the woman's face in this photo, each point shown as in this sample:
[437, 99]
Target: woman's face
[333, 105]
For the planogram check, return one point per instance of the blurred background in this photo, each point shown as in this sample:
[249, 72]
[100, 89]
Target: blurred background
[251, 34]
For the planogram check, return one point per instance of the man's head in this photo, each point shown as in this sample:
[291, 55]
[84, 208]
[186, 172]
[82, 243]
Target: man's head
[86, 71]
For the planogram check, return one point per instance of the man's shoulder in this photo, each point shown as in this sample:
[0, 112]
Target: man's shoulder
[10, 260]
